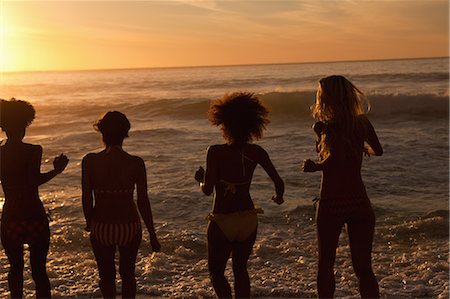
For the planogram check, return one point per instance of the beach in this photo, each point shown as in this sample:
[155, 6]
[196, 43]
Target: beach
[408, 185]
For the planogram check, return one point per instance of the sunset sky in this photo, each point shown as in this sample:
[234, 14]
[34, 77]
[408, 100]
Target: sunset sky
[73, 35]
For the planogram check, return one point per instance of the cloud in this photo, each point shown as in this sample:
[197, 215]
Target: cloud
[208, 5]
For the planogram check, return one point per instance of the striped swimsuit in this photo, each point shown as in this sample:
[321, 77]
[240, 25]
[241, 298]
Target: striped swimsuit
[120, 234]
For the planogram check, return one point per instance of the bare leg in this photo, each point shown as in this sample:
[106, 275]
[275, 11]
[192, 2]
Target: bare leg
[241, 253]
[219, 249]
[15, 274]
[328, 230]
[127, 266]
[104, 256]
[38, 260]
[360, 231]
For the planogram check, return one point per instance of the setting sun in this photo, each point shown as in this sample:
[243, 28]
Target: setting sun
[68, 35]
[4, 36]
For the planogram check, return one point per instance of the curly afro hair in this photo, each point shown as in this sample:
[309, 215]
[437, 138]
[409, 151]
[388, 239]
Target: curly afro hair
[15, 114]
[242, 116]
[114, 127]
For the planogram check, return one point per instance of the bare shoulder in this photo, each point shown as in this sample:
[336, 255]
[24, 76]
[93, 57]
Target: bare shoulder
[33, 147]
[256, 149]
[87, 159]
[136, 159]
[365, 122]
[363, 119]
[256, 152]
[216, 149]
[137, 162]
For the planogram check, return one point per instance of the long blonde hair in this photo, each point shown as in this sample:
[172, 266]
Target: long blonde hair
[339, 103]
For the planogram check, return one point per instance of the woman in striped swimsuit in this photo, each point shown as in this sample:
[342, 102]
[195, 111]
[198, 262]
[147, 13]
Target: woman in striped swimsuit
[342, 130]
[229, 170]
[108, 181]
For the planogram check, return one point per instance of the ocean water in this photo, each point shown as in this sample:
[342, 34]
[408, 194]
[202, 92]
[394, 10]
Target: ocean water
[408, 185]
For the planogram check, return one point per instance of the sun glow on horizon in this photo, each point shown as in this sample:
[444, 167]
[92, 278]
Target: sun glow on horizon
[9, 53]
[8, 59]
[77, 35]
[3, 30]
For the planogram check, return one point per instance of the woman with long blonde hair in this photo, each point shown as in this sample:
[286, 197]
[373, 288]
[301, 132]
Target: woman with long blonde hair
[344, 134]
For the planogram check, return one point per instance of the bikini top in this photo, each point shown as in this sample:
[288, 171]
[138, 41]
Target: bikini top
[232, 187]
[113, 191]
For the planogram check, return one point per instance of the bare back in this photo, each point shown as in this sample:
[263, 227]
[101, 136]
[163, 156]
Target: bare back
[342, 174]
[20, 168]
[230, 170]
[111, 176]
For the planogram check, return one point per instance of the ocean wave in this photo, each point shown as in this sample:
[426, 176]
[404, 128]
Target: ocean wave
[390, 77]
[298, 104]
[427, 227]
[424, 105]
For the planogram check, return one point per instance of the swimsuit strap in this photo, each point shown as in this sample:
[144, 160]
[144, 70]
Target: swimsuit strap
[232, 187]
[243, 158]
[114, 190]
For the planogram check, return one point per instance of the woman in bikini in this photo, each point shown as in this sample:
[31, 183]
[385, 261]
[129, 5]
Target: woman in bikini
[342, 130]
[108, 181]
[24, 220]
[229, 171]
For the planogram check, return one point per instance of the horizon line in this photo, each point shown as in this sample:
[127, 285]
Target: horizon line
[218, 65]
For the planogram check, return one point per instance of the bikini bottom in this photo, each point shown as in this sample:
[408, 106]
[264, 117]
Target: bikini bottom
[342, 206]
[24, 232]
[237, 226]
[120, 234]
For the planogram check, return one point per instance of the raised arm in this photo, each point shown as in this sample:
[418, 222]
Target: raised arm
[59, 164]
[267, 165]
[144, 204]
[375, 147]
[86, 189]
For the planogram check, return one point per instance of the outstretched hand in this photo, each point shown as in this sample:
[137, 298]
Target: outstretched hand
[278, 199]
[60, 163]
[199, 175]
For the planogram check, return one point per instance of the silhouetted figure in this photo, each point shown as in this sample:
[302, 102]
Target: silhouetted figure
[229, 171]
[24, 220]
[342, 131]
[108, 181]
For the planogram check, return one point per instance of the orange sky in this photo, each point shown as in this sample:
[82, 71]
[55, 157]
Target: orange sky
[73, 35]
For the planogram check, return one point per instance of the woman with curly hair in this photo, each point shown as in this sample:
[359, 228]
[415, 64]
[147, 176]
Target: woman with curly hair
[24, 220]
[108, 182]
[342, 130]
[229, 171]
